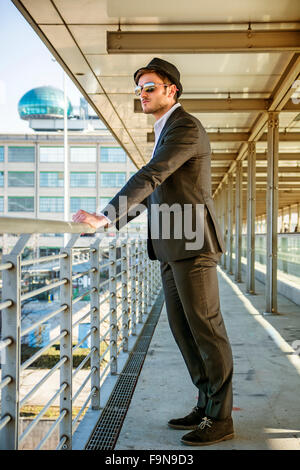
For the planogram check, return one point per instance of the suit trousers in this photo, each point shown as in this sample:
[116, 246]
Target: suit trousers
[193, 307]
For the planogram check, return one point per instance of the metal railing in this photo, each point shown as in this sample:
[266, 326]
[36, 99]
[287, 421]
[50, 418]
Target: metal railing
[131, 289]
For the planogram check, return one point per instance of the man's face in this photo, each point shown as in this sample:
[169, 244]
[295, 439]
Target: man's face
[158, 100]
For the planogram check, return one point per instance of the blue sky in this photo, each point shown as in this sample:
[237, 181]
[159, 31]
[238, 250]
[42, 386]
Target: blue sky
[25, 63]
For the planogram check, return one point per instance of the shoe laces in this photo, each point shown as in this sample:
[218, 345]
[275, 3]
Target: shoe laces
[206, 422]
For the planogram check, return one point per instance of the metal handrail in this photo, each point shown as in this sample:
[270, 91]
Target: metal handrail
[7, 380]
[76, 395]
[43, 259]
[84, 361]
[84, 406]
[92, 310]
[41, 351]
[132, 292]
[35, 292]
[51, 430]
[42, 381]
[6, 266]
[43, 320]
[20, 225]
[6, 304]
[41, 413]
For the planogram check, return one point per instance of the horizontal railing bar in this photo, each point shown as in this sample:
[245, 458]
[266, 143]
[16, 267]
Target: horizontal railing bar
[105, 369]
[6, 266]
[84, 316]
[41, 351]
[42, 412]
[43, 259]
[5, 342]
[104, 300]
[3, 422]
[84, 338]
[43, 380]
[6, 304]
[20, 225]
[94, 389]
[103, 336]
[78, 275]
[76, 395]
[33, 293]
[43, 319]
[120, 346]
[54, 425]
[61, 443]
[83, 362]
[5, 381]
[103, 354]
[109, 263]
[104, 282]
[83, 295]
[104, 318]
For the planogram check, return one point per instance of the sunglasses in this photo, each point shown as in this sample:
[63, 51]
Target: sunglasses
[148, 87]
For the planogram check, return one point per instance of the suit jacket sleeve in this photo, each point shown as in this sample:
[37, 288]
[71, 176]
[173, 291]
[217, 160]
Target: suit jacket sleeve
[180, 143]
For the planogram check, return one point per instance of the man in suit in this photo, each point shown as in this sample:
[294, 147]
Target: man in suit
[178, 176]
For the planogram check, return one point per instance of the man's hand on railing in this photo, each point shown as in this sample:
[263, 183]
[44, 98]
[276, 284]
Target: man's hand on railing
[94, 220]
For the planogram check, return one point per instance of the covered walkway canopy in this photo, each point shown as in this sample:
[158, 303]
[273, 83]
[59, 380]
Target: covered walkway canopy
[240, 67]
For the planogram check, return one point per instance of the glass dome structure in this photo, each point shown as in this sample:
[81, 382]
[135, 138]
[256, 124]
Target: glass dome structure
[45, 102]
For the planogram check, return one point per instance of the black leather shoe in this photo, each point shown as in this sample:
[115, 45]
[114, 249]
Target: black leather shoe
[209, 431]
[190, 421]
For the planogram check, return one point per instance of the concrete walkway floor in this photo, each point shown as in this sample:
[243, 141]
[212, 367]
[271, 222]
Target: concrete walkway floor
[266, 383]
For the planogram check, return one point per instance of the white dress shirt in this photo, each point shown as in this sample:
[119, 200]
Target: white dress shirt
[158, 127]
[160, 124]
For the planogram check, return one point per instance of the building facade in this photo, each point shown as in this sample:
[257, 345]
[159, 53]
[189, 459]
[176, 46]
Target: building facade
[32, 175]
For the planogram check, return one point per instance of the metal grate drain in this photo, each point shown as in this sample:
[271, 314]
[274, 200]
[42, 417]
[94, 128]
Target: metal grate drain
[107, 430]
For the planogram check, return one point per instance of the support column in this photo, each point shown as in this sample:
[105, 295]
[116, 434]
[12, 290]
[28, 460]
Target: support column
[272, 213]
[290, 218]
[224, 207]
[238, 221]
[251, 210]
[229, 224]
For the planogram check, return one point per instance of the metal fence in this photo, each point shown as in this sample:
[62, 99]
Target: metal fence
[132, 285]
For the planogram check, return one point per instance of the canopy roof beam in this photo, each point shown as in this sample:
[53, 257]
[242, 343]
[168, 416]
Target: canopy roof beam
[191, 42]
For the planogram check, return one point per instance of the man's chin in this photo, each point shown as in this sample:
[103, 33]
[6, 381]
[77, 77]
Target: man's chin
[147, 110]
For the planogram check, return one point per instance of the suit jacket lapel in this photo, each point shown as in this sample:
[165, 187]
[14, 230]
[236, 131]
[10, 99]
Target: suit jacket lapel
[169, 121]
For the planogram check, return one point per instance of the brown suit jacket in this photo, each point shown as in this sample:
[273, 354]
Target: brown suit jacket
[179, 172]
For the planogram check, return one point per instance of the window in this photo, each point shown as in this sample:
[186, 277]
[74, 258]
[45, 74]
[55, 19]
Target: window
[24, 179]
[21, 154]
[132, 173]
[20, 204]
[1, 179]
[112, 179]
[1, 154]
[51, 154]
[86, 203]
[1, 204]
[112, 154]
[82, 180]
[51, 204]
[51, 179]
[104, 201]
[83, 154]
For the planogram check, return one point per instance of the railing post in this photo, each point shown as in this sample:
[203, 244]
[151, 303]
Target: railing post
[113, 308]
[11, 326]
[133, 277]
[140, 282]
[124, 279]
[66, 368]
[95, 323]
[148, 278]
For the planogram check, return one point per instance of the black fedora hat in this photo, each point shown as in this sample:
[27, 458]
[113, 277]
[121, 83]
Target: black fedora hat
[165, 67]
